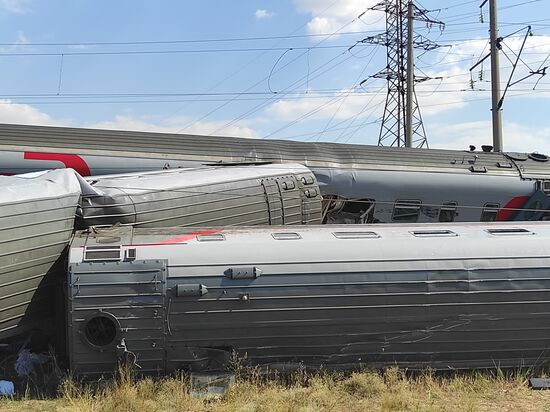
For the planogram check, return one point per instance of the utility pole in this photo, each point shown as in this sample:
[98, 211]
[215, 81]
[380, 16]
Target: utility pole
[495, 76]
[410, 77]
[497, 98]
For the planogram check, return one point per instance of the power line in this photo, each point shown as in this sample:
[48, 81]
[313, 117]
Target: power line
[189, 41]
[260, 106]
[130, 52]
[336, 98]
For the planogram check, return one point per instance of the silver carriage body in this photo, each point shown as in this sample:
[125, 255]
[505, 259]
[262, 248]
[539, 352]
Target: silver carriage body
[443, 296]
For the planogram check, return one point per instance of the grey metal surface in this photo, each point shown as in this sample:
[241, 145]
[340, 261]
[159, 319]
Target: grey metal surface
[208, 196]
[36, 224]
[178, 150]
[443, 296]
[137, 304]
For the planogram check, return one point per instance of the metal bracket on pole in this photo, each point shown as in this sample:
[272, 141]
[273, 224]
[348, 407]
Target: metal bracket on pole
[496, 47]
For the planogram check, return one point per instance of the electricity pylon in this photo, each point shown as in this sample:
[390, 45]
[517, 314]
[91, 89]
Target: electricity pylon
[402, 122]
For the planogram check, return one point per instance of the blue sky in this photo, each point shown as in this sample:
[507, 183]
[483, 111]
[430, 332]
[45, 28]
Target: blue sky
[263, 69]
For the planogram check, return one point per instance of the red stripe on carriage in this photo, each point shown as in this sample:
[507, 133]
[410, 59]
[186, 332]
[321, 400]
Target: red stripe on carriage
[69, 160]
[508, 211]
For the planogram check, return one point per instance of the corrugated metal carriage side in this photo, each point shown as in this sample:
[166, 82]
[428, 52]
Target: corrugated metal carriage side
[208, 196]
[454, 296]
[36, 225]
[223, 148]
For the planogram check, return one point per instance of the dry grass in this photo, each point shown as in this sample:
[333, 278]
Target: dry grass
[364, 391]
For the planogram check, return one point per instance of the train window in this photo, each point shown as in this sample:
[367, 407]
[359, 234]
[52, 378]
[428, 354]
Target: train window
[286, 236]
[490, 212]
[356, 235]
[406, 210]
[101, 253]
[509, 231]
[344, 211]
[447, 212]
[433, 233]
[211, 238]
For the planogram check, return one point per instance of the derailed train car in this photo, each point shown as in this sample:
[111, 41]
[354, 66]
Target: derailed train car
[208, 196]
[36, 225]
[37, 218]
[443, 296]
[361, 183]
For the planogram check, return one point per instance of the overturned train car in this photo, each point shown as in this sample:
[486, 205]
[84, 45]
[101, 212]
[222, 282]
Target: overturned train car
[36, 225]
[209, 196]
[37, 220]
[362, 184]
[443, 296]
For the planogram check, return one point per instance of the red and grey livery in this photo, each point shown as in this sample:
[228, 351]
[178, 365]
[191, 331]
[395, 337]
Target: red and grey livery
[444, 296]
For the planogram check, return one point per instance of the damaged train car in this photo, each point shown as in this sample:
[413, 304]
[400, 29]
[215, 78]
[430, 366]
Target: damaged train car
[438, 295]
[37, 219]
[360, 183]
[37, 215]
[209, 196]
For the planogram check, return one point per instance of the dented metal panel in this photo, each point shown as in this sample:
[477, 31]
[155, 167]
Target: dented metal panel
[36, 225]
[476, 299]
[208, 196]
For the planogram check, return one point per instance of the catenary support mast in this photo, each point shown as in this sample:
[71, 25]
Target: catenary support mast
[495, 77]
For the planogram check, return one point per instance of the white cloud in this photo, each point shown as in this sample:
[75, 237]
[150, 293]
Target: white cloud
[16, 6]
[17, 113]
[21, 38]
[328, 17]
[25, 114]
[174, 125]
[516, 137]
[343, 105]
[264, 14]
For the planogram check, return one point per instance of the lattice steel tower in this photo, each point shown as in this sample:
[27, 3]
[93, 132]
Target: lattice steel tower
[399, 73]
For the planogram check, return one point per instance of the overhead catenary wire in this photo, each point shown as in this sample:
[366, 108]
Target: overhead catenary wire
[182, 41]
[258, 107]
[340, 97]
[180, 51]
[514, 93]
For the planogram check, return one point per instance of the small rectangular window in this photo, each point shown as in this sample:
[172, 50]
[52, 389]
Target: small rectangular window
[406, 210]
[286, 236]
[447, 212]
[214, 237]
[490, 212]
[356, 235]
[510, 231]
[101, 254]
[433, 233]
